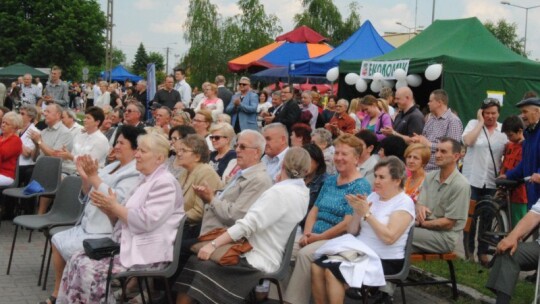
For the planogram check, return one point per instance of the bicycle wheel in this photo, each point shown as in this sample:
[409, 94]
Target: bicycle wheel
[492, 227]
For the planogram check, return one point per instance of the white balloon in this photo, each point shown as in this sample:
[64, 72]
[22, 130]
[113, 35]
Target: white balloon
[351, 78]
[433, 71]
[361, 85]
[332, 74]
[377, 76]
[388, 84]
[414, 80]
[400, 74]
[400, 84]
[375, 86]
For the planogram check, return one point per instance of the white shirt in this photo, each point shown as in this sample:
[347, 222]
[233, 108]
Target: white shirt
[477, 163]
[269, 222]
[273, 164]
[28, 143]
[103, 100]
[97, 91]
[185, 92]
[75, 130]
[96, 145]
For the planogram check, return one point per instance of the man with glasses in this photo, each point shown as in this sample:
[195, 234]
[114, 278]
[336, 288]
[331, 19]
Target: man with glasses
[243, 107]
[441, 123]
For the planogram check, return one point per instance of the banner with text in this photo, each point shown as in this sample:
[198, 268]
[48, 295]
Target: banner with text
[386, 68]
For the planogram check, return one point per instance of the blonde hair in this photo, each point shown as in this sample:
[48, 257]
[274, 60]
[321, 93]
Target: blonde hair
[382, 104]
[226, 128]
[156, 141]
[425, 152]
[355, 102]
[296, 162]
[351, 141]
[14, 119]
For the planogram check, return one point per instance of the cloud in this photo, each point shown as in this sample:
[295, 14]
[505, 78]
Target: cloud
[171, 23]
[486, 10]
[146, 4]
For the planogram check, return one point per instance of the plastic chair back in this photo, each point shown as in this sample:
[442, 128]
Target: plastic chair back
[283, 270]
[404, 273]
[47, 172]
[66, 206]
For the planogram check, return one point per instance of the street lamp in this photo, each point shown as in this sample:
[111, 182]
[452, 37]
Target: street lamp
[409, 28]
[526, 19]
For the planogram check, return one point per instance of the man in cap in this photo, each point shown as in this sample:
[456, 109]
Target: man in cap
[530, 161]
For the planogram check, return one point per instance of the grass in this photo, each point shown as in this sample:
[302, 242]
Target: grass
[475, 276]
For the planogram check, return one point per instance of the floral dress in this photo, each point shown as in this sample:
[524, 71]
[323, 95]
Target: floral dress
[84, 280]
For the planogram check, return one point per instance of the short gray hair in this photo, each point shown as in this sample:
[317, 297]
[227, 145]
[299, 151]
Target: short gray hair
[296, 162]
[199, 146]
[276, 93]
[246, 79]
[396, 168]
[258, 139]
[324, 136]
[158, 143]
[277, 125]
[71, 114]
[31, 110]
[226, 128]
[345, 101]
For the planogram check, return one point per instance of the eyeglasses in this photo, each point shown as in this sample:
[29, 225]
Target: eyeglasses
[242, 147]
[198, 120]
[183, 150]
[494, 101]
[216, 137]
[130, 111]
[243, 84]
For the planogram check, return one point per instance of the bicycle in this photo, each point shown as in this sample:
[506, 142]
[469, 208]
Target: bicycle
[492, 218]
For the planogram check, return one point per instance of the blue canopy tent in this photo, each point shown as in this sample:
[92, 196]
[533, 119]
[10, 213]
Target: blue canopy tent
[282, 74]
[364, 43]
[119, 73]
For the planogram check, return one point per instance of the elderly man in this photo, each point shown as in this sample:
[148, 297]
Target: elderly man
[163, 119]
[56, 91]
[31, 94]
[530, 161]
[441, 211]
[54, 138]
[182, 87]
[69, 119]
[243, 107]
[514, 256]
[341, 122]
[441, 123]
[277, 144]
[140, 93]
[409, 120]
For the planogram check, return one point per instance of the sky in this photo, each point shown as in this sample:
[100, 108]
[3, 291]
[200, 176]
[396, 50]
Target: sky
[159, 24]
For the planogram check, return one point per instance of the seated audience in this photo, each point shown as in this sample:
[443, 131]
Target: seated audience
[323, 139]
[381, 221]
[369, 157]
[300, 134]
[267, 226]
[11, 147]
[175, 134]
[201, 123]
[416, 158]
[180, 118]
[223, 158]
[316, 175]
[26, 159]
[392, 146]
[329, 216]
[152, 213]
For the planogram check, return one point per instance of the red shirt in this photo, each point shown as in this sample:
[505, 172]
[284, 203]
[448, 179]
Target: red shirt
[10, 149]
[512, 157]
[345, 123]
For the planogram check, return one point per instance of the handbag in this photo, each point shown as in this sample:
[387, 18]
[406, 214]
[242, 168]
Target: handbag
[226, 255]
[98, 249]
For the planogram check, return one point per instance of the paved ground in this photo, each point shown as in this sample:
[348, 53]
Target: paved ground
[20, 287]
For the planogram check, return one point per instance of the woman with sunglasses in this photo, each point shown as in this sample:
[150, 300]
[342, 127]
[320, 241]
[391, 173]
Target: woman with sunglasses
[485, 146]
[223, 159]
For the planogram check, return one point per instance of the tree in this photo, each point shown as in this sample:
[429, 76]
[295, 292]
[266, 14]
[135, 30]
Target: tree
[257, 29]
[506, 33]
[118, 57]
[141, 60]
[202, 32]
[157, 59]
[324, 17]
[42, 33]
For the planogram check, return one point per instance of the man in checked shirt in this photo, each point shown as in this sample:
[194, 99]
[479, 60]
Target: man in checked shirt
[441, 123]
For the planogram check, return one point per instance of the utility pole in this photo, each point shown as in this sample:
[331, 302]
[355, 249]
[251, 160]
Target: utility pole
[167, 49]
[108, 39]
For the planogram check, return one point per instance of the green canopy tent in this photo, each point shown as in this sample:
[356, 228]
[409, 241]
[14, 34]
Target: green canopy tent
[19, 69]
[473, 61]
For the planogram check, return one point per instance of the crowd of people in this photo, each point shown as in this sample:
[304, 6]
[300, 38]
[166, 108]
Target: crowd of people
[260, 164]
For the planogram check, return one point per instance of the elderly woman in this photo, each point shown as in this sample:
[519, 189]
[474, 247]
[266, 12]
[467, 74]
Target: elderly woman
[193, 155]
[180, 118]
[300, 134]
[211, 102]
[26, 159]
[224, 118]
[375, 119]
[92, 142]
[329, 216]
[267, 226]
[175, 134]
[223, 159]
[201, 123]
[121, 177]
[148, 220]
[381, 221]
[416, 158]
[323, 138]
[10, 147]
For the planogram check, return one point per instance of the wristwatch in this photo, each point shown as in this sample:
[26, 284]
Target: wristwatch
[213, 243]
[39, 142]
[368, 214]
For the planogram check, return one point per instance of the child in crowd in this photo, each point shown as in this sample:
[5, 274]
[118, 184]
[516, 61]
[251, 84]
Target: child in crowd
[513, 128]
